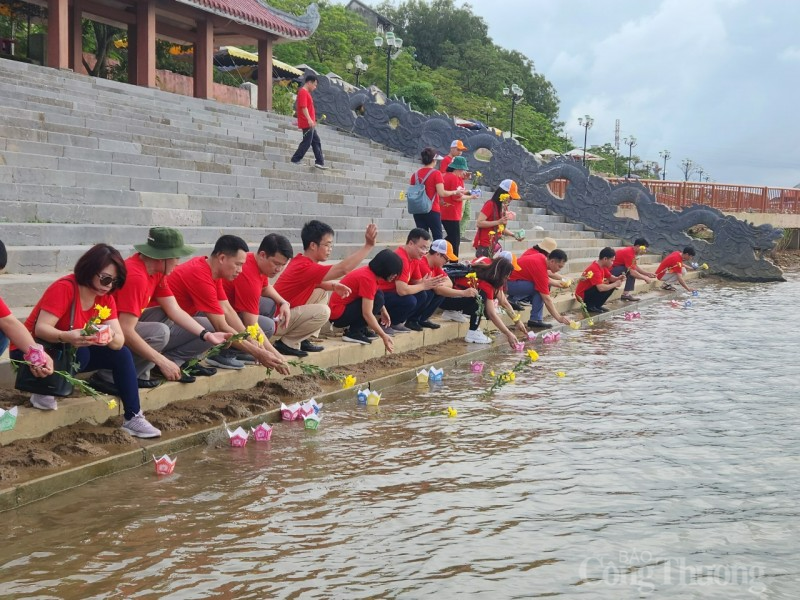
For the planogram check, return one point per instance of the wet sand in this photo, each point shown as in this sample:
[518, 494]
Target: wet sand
[79, 444]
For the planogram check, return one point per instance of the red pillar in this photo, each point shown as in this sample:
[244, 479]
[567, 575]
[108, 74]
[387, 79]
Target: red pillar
[265, 74]
[76, 38]
[203, 50]
[58, 34]
[146, 44]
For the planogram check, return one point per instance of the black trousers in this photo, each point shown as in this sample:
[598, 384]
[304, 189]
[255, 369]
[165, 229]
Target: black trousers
[594, 297]
[453, 229]
[353, 318]
[430, 221]
[310, 140]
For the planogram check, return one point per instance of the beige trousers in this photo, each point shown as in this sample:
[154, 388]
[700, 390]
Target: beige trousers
[306, 320]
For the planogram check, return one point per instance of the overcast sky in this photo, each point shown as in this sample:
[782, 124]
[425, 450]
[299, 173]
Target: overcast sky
[715, 81]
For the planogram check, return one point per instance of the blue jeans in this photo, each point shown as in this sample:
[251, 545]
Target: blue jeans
[353, 316]
[120, 362]
[430, 221]
[3, 342]
[525, 290]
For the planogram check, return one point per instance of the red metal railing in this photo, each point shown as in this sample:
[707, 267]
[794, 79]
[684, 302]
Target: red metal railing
[727, 198]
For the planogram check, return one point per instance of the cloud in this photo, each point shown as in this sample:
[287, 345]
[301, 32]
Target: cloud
[791, 53]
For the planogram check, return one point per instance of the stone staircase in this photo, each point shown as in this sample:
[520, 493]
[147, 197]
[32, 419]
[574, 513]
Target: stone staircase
[86, 160]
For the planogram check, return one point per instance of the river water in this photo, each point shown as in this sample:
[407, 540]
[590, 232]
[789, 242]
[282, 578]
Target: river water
[663, 464]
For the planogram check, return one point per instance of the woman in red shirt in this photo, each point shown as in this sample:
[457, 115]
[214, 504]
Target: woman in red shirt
[434, 188]
[453, 207]
[88, 290]
[493, 218]
[491, 278]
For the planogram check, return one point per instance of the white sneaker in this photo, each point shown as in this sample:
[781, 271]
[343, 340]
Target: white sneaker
[321, 167]
[477, 337]
[138, 426]
[454, 315]
[44, 402]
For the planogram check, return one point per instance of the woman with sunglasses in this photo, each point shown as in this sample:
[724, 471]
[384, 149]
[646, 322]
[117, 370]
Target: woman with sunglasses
[81, 297]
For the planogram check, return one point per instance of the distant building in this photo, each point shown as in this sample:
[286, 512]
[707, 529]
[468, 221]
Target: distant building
[373, 19]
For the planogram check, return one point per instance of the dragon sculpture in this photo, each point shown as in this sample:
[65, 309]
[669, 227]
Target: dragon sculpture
[737, 250]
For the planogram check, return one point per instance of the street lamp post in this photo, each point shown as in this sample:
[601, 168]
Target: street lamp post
[489, 109]
[585, 122]
[392, 43]
[516, 93]
[665, 155]
[700, 173]
[630, 142]
[358, 69]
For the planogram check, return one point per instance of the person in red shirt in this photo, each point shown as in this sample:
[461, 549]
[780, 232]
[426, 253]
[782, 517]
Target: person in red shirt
[597, 283]
[307, 122]
[197, 285]
[453, 207]
[492, 221]
[164, 336]
[359, 308]
[12, 329]
[625, 262]
[306, 283]
[61, 316]
[456, 148]
[674, 267]
[407, 297]
[430, 266]
[532, 284]
[434, 188]
[490, 277]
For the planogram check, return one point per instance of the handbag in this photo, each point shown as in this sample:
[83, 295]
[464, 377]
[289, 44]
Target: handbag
[63, 360]
[418, 201]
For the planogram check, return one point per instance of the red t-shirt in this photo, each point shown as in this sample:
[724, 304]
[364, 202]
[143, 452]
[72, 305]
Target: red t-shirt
[430, 184]
[462, 283]
[534, 269]
[445, 163]
[57, 300]
[625, 257]
[410, 271]
[673, 263]
[426, 269]
[195, 289]
[490, 210]
[451, 209]
[244, 292]
[599, 275]
[363, 283]
[299, 278]
[140, 287]
[4, 312]
[304, 99]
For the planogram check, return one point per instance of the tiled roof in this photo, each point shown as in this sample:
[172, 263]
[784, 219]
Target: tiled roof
[260, 15]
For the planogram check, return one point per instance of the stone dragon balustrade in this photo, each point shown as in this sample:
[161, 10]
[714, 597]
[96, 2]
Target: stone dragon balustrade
[737, 250]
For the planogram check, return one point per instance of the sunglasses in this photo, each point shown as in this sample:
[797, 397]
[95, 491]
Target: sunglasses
[105, 279]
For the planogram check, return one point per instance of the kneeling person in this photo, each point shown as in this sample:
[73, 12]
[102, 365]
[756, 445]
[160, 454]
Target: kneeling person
[597, 283]
[532, 284]
[673, 268]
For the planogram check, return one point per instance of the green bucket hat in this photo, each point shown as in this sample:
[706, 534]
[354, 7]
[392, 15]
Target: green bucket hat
[459, 163]
[164, 242]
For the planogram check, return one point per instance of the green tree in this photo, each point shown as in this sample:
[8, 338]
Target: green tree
[420, 95]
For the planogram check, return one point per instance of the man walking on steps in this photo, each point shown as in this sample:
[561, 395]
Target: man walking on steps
[307, 122]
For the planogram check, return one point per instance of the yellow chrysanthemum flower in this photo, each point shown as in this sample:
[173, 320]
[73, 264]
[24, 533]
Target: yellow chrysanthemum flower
[451, 412]
[254, 331]
[704, 266]
[103, 312]
[533, 355]
[112, 404]
[561, 374]
[348, 382]
[504, 197]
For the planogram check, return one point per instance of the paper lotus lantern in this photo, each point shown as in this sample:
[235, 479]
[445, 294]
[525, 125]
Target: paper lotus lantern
[674, 303]
[551, 337]
[476, 366]
[262, 433]
[519, 347]
[312, 421]
[362, 396]
[687, 304]
[165, 465]
[373, 398]
[422, 376]
[636, 314]
[435, 374]
[531, 336]
[238, 437]
[291, 412]
[628, 316]
[574, 325]
[8, 418]
[695, 293]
